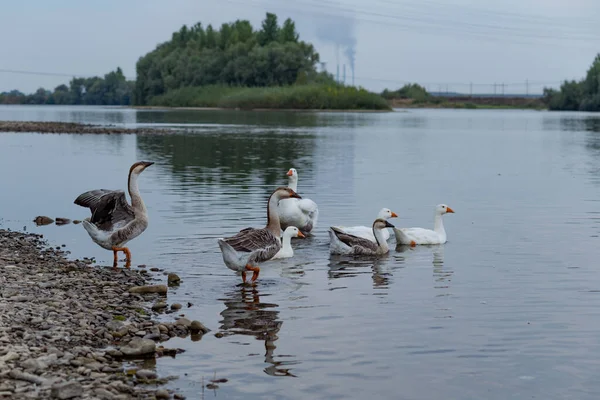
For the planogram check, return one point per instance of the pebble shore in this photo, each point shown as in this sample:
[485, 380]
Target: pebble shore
[66, 327]
[72, 127]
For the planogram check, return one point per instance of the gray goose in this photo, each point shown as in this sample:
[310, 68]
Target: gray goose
[251, 246]
[114, 222]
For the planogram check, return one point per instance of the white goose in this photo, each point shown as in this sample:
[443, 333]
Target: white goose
[415, 236]
[302, 213]
[343, 243]
[366, 231]
[286, 245]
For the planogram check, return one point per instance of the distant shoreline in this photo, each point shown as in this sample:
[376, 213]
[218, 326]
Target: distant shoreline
[299, 110]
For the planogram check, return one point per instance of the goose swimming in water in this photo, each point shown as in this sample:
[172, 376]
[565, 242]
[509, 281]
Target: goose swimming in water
[114, 222]
[251, 246]
[415, 236]
[301, 213]
[343, 243]
[286, 246]
[366, 231]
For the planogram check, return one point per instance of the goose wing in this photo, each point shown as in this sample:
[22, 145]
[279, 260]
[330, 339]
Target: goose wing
[353, 241]
[108, 207]
[261, 242]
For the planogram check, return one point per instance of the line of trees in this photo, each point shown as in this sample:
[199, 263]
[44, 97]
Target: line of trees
[234, 55]
[583, 95]
[112, 89]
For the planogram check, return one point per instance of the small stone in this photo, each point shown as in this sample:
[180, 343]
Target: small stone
[145, 374]
[42, 220]
[183, 322]
[104, 394]
[162, 328]
[178, 396]
[175, 306]
[62, 221]
[162, 394]
[142, 266]
[173, 278]
[196, 326]
[159, 305]
[212, 386]
[219, 335]
[160, 289]
[76, 221]
[66, 390]
[138, 347]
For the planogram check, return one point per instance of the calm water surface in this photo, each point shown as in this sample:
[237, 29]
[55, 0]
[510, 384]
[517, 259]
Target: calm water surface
[508, 308]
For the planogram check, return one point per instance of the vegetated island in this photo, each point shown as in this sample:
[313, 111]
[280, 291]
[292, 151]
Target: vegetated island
[233, 67]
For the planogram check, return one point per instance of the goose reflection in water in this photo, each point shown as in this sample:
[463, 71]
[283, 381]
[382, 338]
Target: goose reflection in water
[346, 267]
[244, 314]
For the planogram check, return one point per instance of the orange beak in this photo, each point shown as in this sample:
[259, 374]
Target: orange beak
[394, 214]
[300, 234]
[448, 209]
[290, 173]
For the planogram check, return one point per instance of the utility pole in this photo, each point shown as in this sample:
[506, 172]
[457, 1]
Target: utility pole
[527, 87]
[471, 89]
[494, 88]
[503, 89]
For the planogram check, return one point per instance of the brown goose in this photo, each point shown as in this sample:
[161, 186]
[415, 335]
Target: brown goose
[114, 222]
[344, 243]
[251, 246]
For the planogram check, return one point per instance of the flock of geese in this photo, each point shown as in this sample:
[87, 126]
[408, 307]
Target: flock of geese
[114, 222]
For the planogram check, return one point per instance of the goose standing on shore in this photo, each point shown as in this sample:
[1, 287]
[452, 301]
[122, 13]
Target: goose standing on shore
[251, 246]
[286, 246]
[415, 236]
[367, 232]
[301, 213]
[114, 222]
[343, 243]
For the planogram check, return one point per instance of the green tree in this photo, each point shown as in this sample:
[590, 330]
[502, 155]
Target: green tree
[288, 32]
[270, 30]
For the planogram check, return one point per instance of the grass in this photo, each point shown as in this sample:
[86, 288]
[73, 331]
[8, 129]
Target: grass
[297, 97]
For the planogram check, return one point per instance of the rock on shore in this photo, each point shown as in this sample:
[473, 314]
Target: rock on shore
[65, 326]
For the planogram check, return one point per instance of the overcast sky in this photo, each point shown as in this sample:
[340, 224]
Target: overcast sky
[439, 43]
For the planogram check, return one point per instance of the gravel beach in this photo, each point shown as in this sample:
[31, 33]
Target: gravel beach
[71, 127]
[67, 326]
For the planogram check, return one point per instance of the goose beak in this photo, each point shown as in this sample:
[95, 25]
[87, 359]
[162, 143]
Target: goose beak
[388, 225]
[449, 210]
[394, 214]
[300, 234]
[290, 173]
[146, 164]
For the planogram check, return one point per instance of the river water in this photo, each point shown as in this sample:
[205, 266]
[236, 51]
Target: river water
[508, 308]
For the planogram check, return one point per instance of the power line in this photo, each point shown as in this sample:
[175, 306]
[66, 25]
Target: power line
[409, 24]
[60, 74]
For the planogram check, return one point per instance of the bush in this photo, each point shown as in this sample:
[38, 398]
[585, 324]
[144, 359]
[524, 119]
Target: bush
[300, 97]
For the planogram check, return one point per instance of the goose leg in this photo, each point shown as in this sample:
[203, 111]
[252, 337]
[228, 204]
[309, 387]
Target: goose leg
[243, 276]
[255, 270]
[127, 256]
[413, 243]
